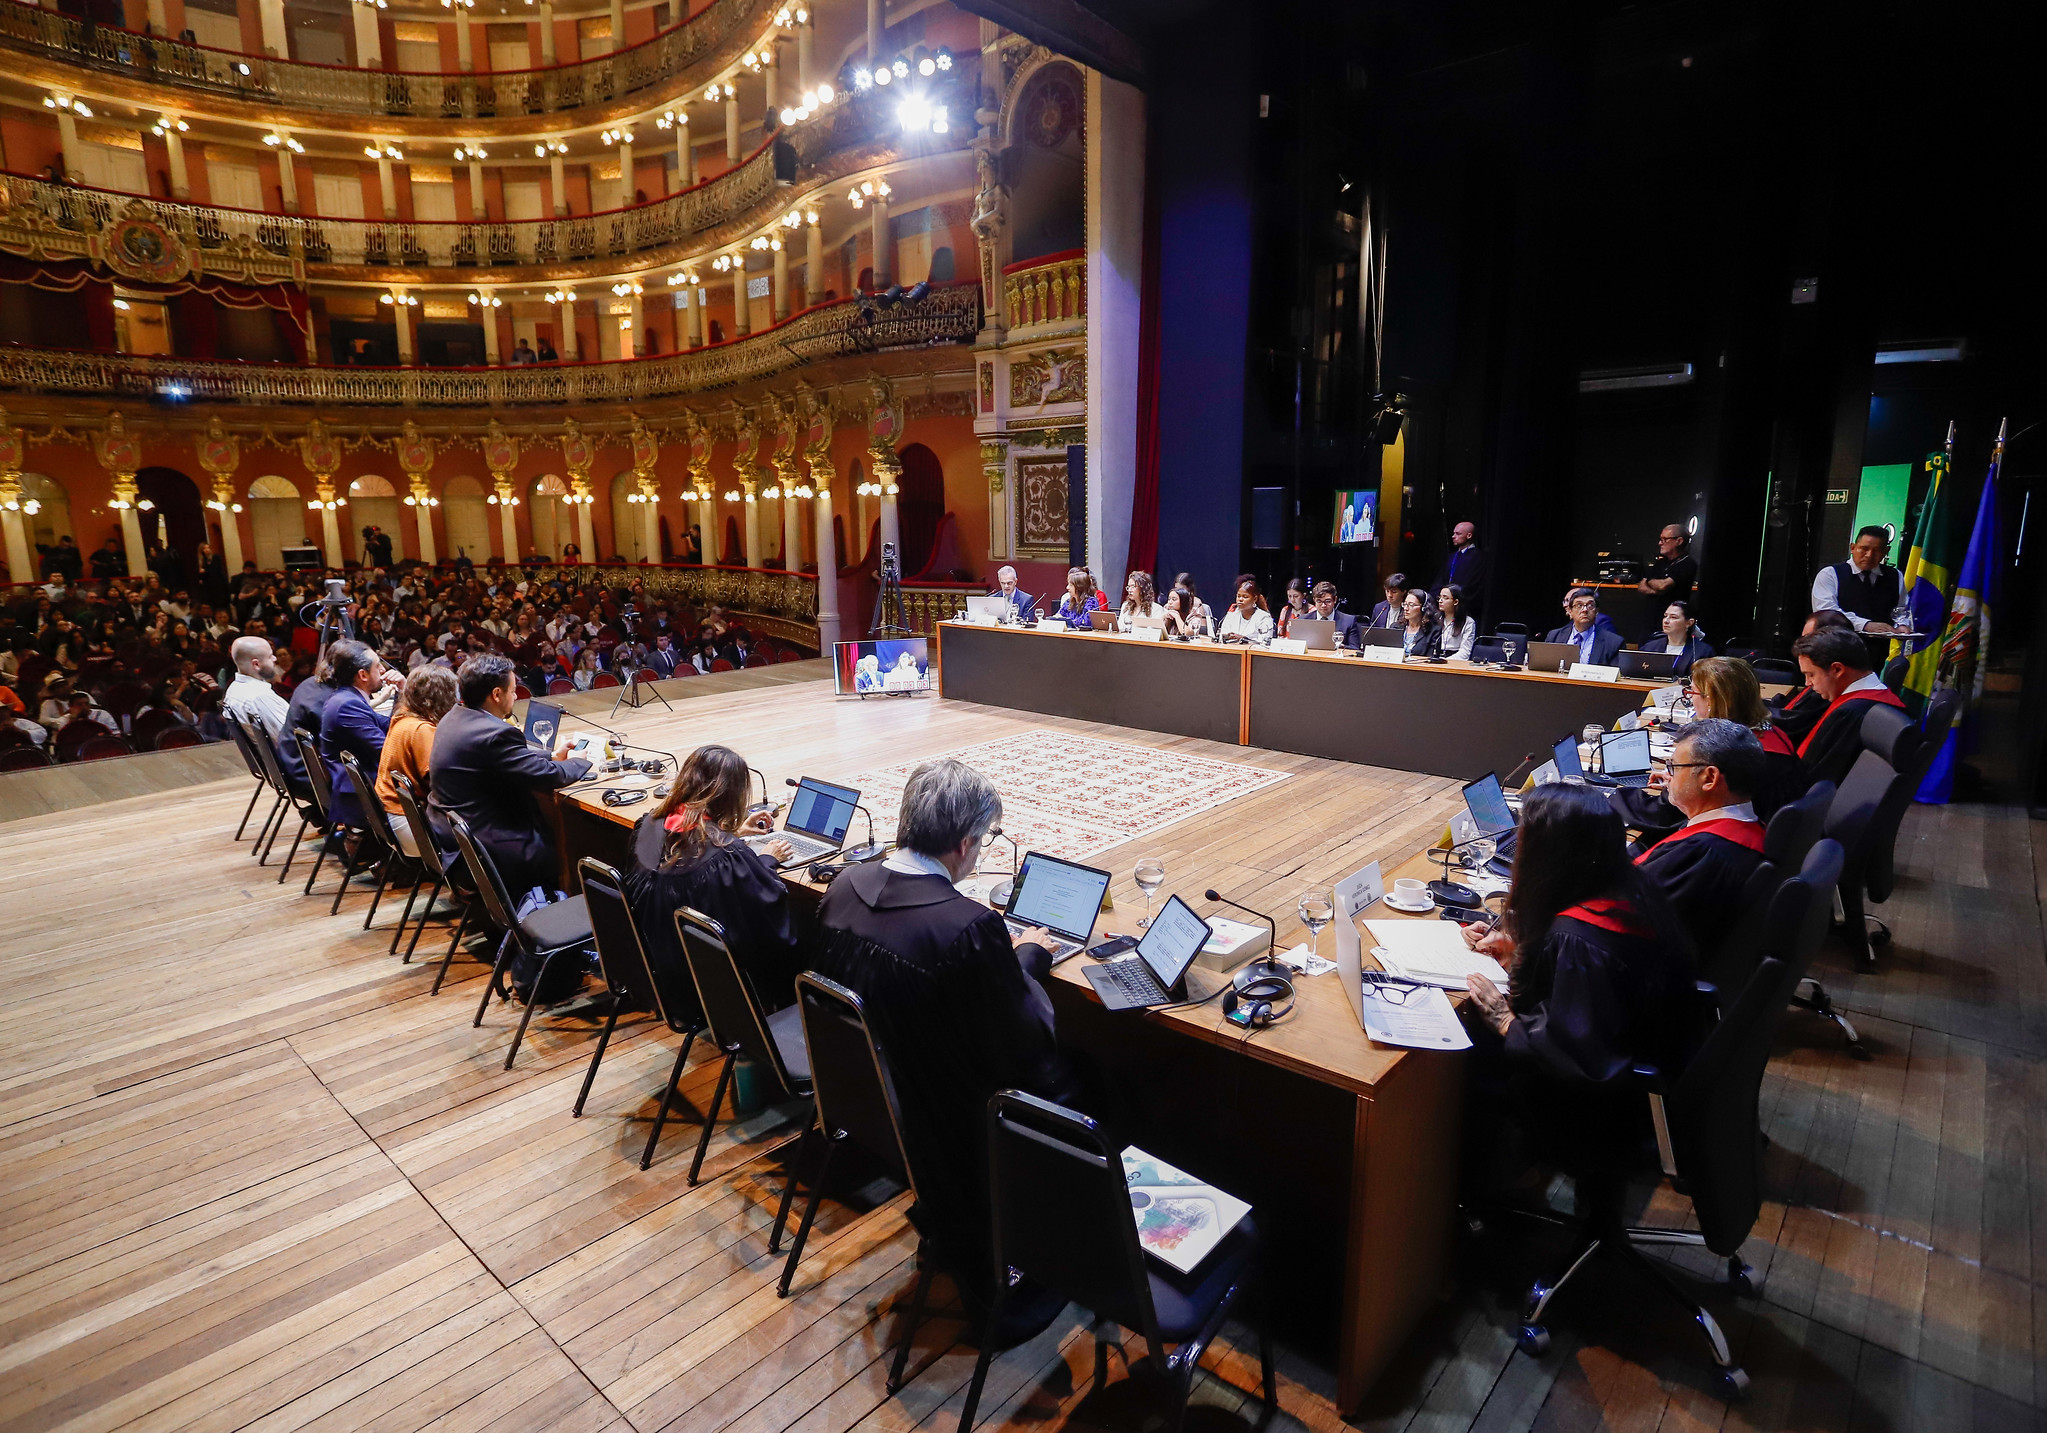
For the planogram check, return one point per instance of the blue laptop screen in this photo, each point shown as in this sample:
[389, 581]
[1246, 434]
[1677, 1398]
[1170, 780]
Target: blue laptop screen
[822, 810]
[1566, 753]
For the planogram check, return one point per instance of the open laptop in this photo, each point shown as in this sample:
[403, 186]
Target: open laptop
[1102, 621]
[816, 823]
[1487, 804]
[543, 723]
[997, 606]
[1624, 757]
[1647, 664]
[1317, 634]
[1157, 973]
[1551, 656]
[1383, 636]
[1565, 753]
[1062, 896]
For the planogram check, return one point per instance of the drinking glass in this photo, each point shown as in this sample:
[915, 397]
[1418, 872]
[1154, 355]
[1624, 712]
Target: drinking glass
[1590, 736]
[1316, 914]
[1150, 874]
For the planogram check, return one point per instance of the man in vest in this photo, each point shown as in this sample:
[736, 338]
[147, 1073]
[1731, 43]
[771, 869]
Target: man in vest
[1865, 588]
[1837, 667]
[1704, 864]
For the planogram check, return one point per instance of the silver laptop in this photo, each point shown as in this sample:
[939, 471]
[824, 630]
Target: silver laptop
[816, 824]
[1062, 896]
[1317, 634]
[997, 606]
[1551, 656]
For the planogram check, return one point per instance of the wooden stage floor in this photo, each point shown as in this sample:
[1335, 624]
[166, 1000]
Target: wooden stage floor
[253, 1177]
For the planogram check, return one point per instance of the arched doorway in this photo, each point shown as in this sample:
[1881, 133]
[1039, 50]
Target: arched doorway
[173, 524]
[920, 503]
[52, 517]
[277, 518]
[374, 502]
[628, 522]
[1048, 201]
[467, 518]
[549, 516]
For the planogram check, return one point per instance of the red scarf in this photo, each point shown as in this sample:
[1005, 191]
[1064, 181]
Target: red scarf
[1883, 696]
[1774, 740]
[1742, 833]
[1607, 913]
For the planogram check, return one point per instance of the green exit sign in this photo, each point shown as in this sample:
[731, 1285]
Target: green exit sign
[1837, 495]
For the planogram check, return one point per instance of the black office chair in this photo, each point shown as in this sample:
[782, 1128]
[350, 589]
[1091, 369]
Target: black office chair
[737, 1024]
[1793, 832]
[1708, 1129]
[1510, 629]
[1775, 671]
[240, 737]
[376, 847]
[855, 1087]
[1062, 1218]
[1864, 817]
[558, 928]
[634, 986]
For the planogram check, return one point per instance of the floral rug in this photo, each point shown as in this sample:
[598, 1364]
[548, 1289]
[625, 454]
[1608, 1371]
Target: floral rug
[1076, 796]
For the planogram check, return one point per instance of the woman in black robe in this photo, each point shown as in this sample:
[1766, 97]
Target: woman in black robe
[688, 852]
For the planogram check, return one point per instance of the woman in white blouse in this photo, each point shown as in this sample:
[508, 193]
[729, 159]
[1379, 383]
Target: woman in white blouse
[1247, 622]
[1458, 631]
[1140, 599]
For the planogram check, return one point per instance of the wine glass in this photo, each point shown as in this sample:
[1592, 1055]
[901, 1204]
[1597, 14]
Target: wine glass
[1590, 736]
[1316, 913]
[1150, 874]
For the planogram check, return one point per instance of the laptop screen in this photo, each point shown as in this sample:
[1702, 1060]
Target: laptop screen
[822, 810]
[543, 721]
[1174, 938]
[988, 606]
[1059, 895]
[1566, 753]
[1625, 753]
[1488, 805]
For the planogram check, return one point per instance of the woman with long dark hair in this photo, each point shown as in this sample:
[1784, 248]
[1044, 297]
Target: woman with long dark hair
[688, 852]
[1140, 599]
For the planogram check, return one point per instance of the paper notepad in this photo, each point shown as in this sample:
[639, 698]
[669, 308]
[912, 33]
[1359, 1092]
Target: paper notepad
[1432, 952]
[1421, 1020]
[1180, 1219]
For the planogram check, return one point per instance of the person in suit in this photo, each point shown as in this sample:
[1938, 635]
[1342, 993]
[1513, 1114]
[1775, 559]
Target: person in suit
[308, 707]
[1347, 627]
[484, 772]
[1466, 566]
[961, 1009]
[1387, 613]
[1795, 713]
[1596, 644]
[1702, 866]
[1837, 668]
[349, 723]
[1681, 635]
[1023, 607]
[664, 658]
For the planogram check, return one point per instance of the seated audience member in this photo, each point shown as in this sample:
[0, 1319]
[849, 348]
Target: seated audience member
[1702, 866]
[688, 852]
[1296, 605]
[1387, 613]
[1796, 712]
[1596, 644]
[1247, 622]
[429, 694]
[1186, 618]
[1198, 610]
[1418, 630]
[584, 674]
[79, 707]
[350, 723]
[1079, 600]
[1023, 607]
[1457, 630]
[1346, 630]
[962, 1011]
[1837, 668]
[484, 772]
[664, 658]
[308, 705]
[1139, 600]
[1680, 634]
[252, 695]
[1601, 980]
[1726, 687]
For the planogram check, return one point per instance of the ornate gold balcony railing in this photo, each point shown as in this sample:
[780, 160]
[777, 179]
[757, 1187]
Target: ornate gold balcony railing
[346, 247]
[950, 313]
[1051, 289]
[338, 89]
[925, 605]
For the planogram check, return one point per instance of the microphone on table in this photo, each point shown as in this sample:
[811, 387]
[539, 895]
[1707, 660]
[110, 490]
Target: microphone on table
[1271, 963]
[763, 806]
[1000, 892]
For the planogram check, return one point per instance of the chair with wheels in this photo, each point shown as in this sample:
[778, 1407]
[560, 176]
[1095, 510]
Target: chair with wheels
[622, 956]
[1775, 671]
[737, 1024]
[1864, 817]
[1708, 1134]
[1062, 1219]
[556, 929]
[1792, 833]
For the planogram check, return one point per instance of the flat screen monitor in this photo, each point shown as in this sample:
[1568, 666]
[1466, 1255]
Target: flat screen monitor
[1357, 516]
[890, 665]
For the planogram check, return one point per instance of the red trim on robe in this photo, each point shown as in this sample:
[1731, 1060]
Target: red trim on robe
[1884, 696]
[1608, 914]
[1742, 833]
[1775, 740]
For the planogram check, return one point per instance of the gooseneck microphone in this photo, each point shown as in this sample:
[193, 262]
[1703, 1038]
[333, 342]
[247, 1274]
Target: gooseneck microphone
[763, 806]
[1270, 965]
[1002, 890]
[854, 855]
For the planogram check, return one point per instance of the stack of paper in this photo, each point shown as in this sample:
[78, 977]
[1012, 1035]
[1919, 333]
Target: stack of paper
[1421, 1019]
[1431, 952]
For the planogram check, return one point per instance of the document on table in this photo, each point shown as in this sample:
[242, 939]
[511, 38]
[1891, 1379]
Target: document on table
[1432, 952]
[1424, 1020]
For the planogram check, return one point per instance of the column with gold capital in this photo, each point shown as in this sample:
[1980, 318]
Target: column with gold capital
[816, 418]
[321, 454]
[220, 454]
[121, 455]
[746, 439]
[703, 498]
[14, 504]
[884, 427]
[789, 485]
[416, 458]
[646, 454]
[501, 456]
[579, 454]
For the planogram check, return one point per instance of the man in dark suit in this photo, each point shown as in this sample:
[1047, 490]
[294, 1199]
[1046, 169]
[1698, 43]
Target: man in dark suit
[1466, 566]
[308, 711]
[1837, 667]
[1024, 606]
[348, 723]
[664, 656]
[485, 772]
[1347, 629]
[1597, 644]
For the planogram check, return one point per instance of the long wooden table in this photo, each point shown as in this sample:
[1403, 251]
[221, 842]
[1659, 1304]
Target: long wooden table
[1347, 1149]
[1457, 719]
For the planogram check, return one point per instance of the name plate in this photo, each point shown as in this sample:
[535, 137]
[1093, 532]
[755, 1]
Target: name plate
[1051, 624]
[1666, 697]
[1296, 646]
[1392, 655]
[1146, 634]
[978, 619]
[1590, 672]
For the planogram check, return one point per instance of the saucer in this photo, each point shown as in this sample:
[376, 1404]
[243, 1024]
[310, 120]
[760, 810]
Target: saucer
[1423, 908]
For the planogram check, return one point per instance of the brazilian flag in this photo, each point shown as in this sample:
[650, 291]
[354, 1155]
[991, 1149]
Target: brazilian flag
[1929, 584]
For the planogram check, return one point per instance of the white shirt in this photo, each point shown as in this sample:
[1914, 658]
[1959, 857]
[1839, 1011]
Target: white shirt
[1456, 641]
[254, 699]
[1739, 811]
[1257, 627]
[1826, 592]
[1123, 617]
[1869, 683]
[915, 863]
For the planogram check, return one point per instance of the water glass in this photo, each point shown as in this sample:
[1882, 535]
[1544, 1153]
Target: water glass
[1150, 874]
[1316, 913]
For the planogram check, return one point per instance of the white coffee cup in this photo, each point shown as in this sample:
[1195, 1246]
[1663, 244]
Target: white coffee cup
[1408, 892]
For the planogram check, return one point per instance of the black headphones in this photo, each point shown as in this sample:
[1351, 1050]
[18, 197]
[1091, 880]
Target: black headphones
[1258, 1001]
[619, 797]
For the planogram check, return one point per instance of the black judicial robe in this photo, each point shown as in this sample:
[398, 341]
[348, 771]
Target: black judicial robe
[1599, 996]
[951, 1002]
[1702, 869]
[733, 885]
[1830, 748]
[1784, 779]
[1797, 713]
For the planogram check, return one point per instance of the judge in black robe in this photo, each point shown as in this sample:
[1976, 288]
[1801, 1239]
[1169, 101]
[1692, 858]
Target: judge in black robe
[1836, 664]
[734, 885]
[1704, 866]
[1796, 713]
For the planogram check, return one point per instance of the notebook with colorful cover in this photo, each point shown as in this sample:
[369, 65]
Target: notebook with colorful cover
[1180, 1219]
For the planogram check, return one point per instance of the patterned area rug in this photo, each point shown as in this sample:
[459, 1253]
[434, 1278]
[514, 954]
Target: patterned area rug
[1075, 796]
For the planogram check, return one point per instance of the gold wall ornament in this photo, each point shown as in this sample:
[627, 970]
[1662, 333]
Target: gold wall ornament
[220, 452]
[817, 436]
[415, 453]
[321, 454]
[994, 462]
[646, 448]
[13, 448]
[500, 452]
[884, 427]
[1027, 379]
[699, 433]
[578, 452]
[120, 453]
[746, 439]
[783, 443]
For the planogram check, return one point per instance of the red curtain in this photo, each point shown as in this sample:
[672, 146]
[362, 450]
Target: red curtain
[195, 325]
[1144, 498]
[70, 275]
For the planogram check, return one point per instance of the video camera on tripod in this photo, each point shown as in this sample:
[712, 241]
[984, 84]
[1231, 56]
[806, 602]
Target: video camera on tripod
[332, 622]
